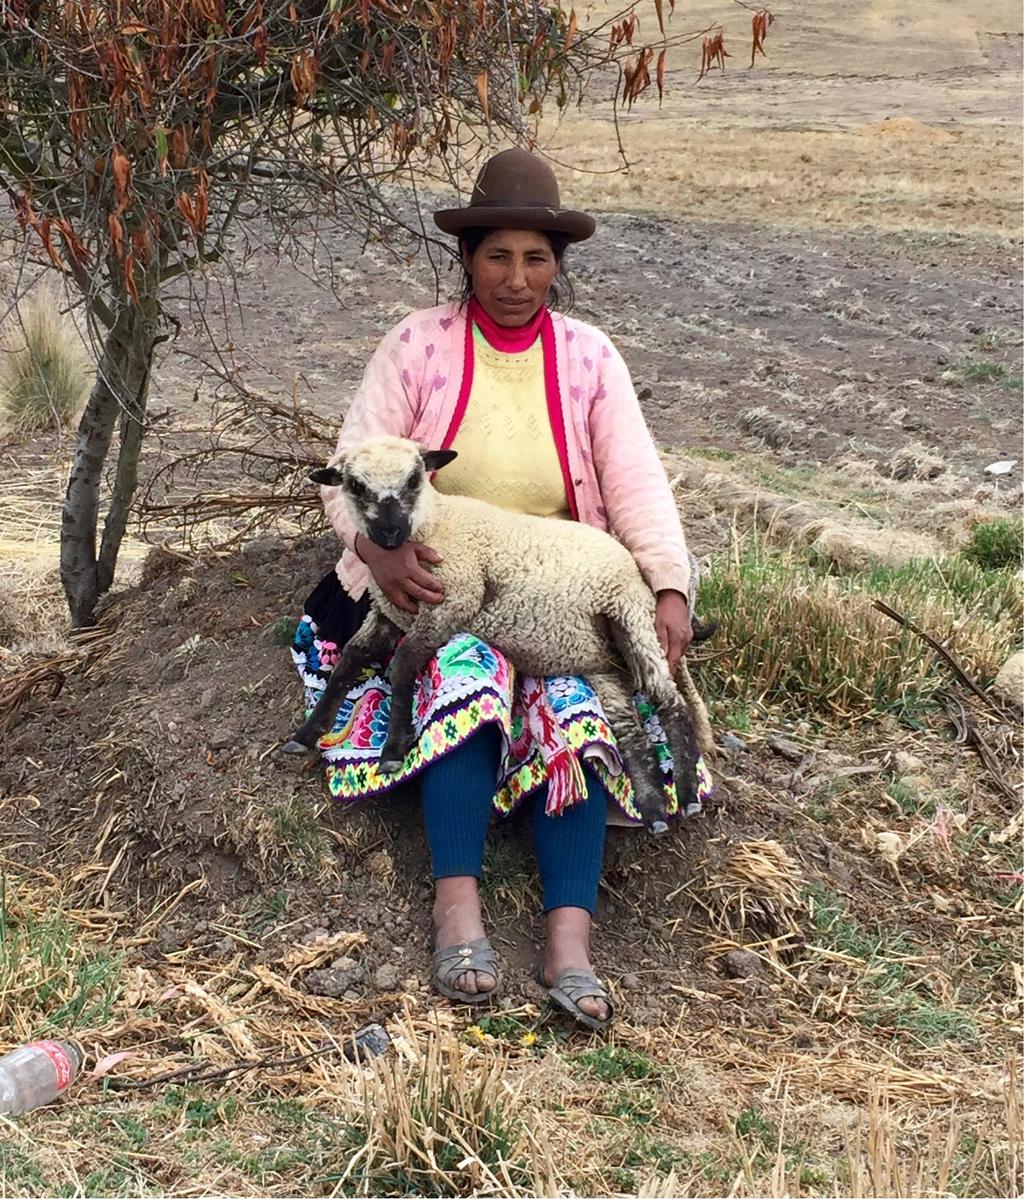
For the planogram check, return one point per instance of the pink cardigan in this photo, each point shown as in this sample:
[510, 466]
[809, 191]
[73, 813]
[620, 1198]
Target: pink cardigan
[411, 388]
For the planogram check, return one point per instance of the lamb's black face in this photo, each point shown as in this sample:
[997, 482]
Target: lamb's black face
[385, 483]
[387, 514]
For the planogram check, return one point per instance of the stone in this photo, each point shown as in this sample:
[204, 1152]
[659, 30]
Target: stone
[729, 741]
[630, 982]
[741, 963]
[385, 978]
[1009, 682]
[907, 763]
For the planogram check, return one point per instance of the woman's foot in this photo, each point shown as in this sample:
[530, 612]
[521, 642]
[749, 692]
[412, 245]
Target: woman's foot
[458, 921]
[568, 948]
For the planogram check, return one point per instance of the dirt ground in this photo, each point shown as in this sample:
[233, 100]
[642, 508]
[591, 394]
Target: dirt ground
[813, 267]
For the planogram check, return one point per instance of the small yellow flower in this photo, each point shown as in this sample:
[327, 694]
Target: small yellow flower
[476, 1034]
[528, 1039]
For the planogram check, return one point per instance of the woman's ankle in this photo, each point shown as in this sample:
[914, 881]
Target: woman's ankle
[457, 907]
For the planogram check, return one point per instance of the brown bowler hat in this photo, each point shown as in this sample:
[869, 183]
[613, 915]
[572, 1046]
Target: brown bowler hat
[516, 190]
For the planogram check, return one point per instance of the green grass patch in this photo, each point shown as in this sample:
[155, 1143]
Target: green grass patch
[996, 545]
[282, 631]
[634, 1105]
[969, 369]
[611, 1063]
[508, 876]
[894, 1000]
[268, 911]
[17, 1170]
[53, 978]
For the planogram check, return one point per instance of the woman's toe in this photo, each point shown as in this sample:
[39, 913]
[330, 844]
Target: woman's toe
[484, 981]
[593, 1007]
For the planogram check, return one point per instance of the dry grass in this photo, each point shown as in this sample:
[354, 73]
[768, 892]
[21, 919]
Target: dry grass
[797, 636]
[44, 371]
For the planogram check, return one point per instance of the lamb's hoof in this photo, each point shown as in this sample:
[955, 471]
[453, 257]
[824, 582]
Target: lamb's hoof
[294, 747]
[658, 827]
[390, 765]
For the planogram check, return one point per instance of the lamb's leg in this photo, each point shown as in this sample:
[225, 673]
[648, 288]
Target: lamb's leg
[638, 644]
[410, 659]
[637, 753]
[374, 639]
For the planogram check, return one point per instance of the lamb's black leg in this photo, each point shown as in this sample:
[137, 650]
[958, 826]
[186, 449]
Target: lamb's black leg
[638, 755]
[410, 658]
[646, 662]
[375, 638]
[675, 720]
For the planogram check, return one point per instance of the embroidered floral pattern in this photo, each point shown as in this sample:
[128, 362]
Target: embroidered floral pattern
[467, 685]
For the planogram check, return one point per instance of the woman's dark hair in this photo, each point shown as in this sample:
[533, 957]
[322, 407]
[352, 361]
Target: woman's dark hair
[561, 296]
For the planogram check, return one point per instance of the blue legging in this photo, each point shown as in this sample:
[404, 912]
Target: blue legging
[458, 792]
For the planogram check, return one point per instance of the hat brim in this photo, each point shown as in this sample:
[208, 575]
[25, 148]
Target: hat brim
[577, 226]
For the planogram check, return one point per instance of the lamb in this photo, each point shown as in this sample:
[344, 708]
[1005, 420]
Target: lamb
[554, 597]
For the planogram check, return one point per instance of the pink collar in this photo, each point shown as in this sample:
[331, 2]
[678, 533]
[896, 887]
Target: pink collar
[501, 337]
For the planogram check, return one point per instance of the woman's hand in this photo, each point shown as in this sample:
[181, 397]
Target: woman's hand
[399, 575]
[672, 623]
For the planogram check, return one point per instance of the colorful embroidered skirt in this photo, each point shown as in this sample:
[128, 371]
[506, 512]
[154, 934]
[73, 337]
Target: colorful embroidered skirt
[467, 685]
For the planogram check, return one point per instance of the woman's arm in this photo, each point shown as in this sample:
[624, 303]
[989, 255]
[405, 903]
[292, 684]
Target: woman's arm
[641, 510]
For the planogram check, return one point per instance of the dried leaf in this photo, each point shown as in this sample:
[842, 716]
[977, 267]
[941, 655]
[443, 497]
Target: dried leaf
[570, 32]
[661, 75]
[129, 278]
[106, 1064]
[890, 847]
[121, 169]
[116, 235]
[659, 9]
[47, 240]
[759, 28]
[481, 91]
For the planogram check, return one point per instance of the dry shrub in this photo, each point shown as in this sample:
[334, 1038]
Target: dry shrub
[443, 1122]
[773, 430]
[852, 549]
[755, 886]
[877, 1160]
[914, 463]
[44, 372]
[284, 839]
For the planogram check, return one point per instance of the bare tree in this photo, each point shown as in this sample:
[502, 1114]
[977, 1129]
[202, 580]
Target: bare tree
[137, 135]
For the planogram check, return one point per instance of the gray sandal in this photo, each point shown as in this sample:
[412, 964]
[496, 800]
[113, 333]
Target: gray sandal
[457, 959]
[570, 987]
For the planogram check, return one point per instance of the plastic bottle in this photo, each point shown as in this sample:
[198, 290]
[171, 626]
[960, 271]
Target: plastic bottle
[35, 1074]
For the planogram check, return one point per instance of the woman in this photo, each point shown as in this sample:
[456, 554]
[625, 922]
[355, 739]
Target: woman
[545, 420]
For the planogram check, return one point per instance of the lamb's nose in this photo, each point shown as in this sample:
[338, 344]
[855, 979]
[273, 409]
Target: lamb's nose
[391, 537]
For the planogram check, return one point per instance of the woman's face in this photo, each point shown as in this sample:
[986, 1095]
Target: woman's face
[512, 272]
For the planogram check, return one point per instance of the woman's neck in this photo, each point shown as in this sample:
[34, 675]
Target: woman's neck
[509, 339]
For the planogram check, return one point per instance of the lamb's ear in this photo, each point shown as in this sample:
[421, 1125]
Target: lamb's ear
[327, 476]
[435, 459]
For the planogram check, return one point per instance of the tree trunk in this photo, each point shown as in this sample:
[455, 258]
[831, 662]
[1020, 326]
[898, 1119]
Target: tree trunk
[120, 389]
[125, 482]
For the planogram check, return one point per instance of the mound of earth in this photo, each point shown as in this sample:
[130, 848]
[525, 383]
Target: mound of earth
[153, 783]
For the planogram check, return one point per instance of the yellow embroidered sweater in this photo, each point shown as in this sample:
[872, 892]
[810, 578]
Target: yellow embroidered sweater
[506, 449]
